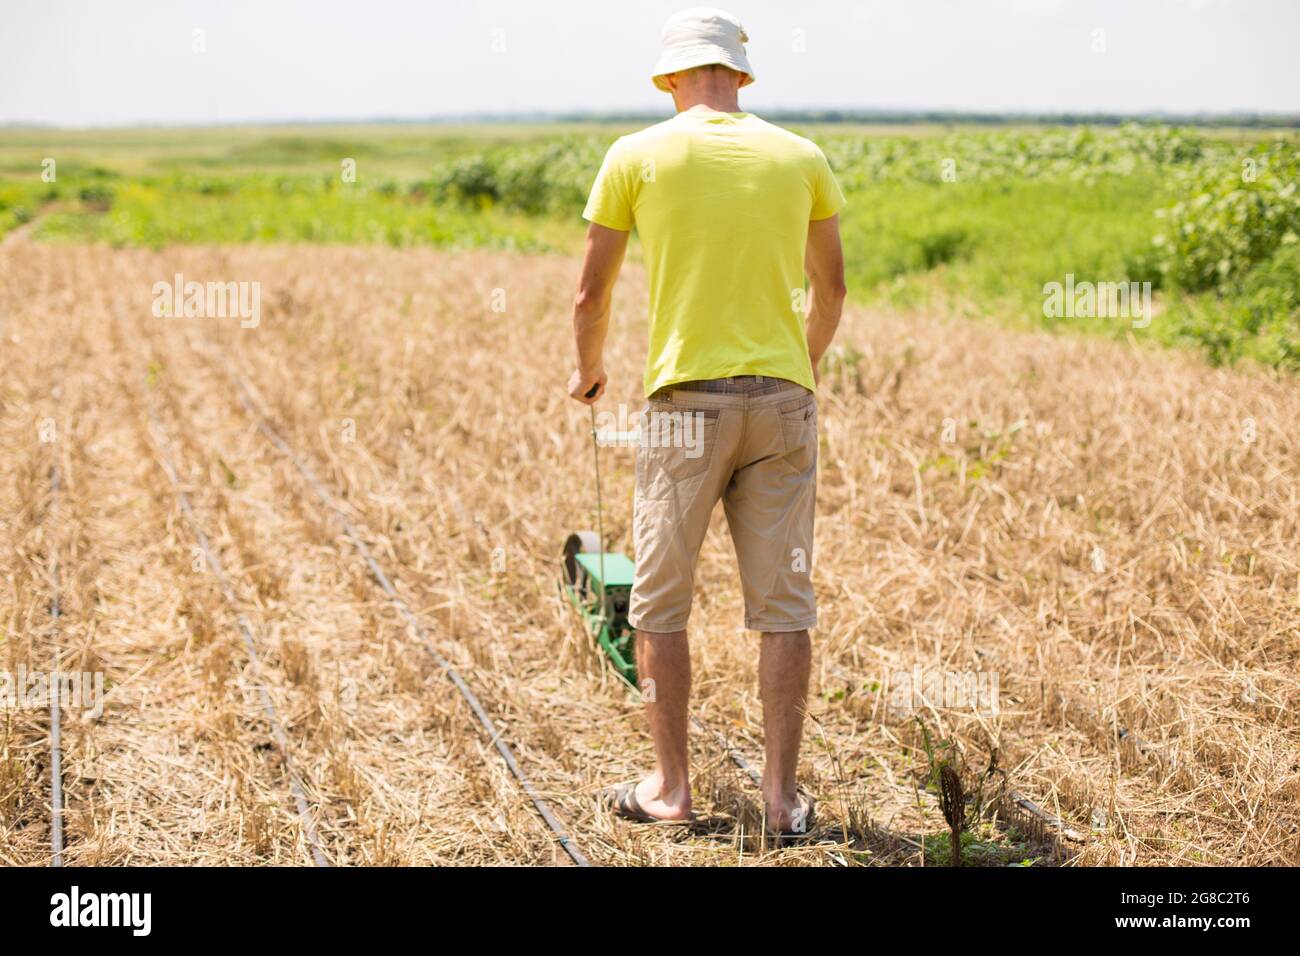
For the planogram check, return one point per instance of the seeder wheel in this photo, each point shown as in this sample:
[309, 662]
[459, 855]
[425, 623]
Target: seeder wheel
[580, 542]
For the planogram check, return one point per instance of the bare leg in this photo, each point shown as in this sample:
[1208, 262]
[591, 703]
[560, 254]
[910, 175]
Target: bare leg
[783, 667]
[663, 665]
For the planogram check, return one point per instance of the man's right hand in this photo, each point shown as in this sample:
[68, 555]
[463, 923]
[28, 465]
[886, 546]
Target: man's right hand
[587, 387]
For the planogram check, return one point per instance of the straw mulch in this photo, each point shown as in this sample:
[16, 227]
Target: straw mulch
[1110, 532]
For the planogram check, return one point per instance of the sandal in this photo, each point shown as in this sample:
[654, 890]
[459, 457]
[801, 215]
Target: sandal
[622, 800]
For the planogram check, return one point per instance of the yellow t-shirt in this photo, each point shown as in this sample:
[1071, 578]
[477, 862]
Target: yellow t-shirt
[722, 203]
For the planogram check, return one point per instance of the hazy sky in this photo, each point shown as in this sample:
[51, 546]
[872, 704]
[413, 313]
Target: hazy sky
[93, 62]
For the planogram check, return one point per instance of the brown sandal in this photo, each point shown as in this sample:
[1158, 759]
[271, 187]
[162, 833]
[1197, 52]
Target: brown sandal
[622, 800]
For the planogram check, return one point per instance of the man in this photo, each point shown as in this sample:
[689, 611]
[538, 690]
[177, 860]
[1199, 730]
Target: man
[729, 210]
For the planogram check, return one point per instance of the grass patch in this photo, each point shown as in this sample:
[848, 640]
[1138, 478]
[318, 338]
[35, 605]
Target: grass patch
[981, 846]
[271, 208]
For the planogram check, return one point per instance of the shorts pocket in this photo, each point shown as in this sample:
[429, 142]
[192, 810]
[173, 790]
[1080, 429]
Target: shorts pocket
[799, 433]
[676, 445]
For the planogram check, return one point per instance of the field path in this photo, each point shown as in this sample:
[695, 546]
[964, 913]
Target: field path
[1109, 532]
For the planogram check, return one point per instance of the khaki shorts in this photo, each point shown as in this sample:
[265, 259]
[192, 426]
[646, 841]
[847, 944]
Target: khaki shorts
[751, 441]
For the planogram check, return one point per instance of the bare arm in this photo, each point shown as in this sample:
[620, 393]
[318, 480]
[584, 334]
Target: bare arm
[604, 257]
[825, 264]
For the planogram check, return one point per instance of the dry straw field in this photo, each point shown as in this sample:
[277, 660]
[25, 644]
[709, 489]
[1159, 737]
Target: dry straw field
[1111, 531]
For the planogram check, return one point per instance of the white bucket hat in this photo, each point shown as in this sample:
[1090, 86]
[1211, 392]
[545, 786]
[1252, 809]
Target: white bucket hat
[701, 36]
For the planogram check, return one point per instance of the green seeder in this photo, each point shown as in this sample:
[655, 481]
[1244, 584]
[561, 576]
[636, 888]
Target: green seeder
[599, 584]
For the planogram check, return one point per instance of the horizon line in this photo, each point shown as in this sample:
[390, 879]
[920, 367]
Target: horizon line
[881, 115]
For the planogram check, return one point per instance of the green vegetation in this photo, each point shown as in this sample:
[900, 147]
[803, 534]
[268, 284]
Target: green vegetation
[983, 846]
[977, 220]
[986, 219]
[20, 201]
[153, 211]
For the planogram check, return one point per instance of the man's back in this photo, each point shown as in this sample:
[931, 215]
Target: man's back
[730, 210]
[721, 202]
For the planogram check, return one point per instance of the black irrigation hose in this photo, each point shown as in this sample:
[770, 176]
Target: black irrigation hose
[494, 735]
[736, 756]
[268, 706]
[1049, 820]
[56, 747]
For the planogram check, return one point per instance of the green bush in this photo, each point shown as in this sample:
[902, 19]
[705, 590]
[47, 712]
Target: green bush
[547, 177]
[1236, 217]
[97, 194]
[472, 179]
[1258, 318]
[943, 246]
